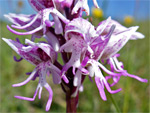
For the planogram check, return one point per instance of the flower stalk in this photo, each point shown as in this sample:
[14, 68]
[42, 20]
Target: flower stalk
[71, 103]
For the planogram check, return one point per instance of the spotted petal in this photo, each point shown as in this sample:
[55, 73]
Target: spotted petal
[82, 27]
[117, 41]
[120, 28]
[34, 53]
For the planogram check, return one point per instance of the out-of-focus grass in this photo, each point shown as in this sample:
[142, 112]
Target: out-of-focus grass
[134, 96]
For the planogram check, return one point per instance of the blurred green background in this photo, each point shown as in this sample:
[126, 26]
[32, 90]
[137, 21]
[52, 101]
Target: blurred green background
[134, 97]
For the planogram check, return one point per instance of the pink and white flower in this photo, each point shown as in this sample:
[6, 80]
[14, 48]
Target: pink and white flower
[42, 56]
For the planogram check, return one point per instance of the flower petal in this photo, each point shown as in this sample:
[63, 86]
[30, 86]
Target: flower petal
[77, 78]
[39, 5]
[81, 4]
[120, 28]
[117, 41]
[43, 46]
[95, 3]
[102, 26]
[100, 88]
[19, 19]
[13, 44]
[81, 26]
[137, 35]
[25, 33]
[58, 25]
[27, 25]
[99, 44]
[76, 45]
[48, 105]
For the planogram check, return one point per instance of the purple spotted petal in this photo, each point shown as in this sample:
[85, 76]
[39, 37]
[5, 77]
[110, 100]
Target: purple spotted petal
[99, 44]
[103, 26]
[34, 53]
[43, 4]
[117, 41]
[81, 26]
[27, 53]
[15, 45]
[120, 28]
[46, 48]
[66, 3]
[39, 4]
[75, 45]
[19, 19]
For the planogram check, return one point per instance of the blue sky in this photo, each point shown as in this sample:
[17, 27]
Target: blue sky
[117, 9]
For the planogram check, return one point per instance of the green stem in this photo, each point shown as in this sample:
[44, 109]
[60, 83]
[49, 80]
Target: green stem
[114, 103]
[126, 97]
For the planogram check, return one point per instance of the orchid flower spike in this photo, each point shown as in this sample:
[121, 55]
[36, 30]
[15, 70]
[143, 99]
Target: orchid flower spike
[84, 48]
[42, 56]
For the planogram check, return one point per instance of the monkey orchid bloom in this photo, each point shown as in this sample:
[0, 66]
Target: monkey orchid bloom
[42, 56]
[78, 40]
[43, 15]
[103, 48]
[54, 7]
[21, 20]
[117, 41]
